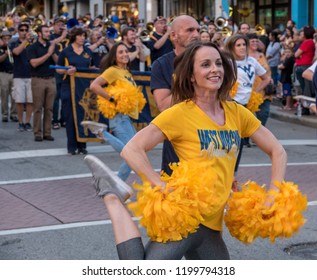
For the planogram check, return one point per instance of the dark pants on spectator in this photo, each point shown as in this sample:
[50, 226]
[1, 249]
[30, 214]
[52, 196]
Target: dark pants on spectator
[72, 143]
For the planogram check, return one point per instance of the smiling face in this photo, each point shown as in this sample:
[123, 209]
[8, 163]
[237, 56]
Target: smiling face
[254, 43]
[208, 70]
[240, 49]
[122, 56]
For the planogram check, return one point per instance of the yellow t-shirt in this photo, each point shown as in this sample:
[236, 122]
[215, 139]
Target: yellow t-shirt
[195, 136]
[115, 73]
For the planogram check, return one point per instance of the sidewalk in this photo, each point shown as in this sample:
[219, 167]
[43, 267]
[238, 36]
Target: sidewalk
[278, 113]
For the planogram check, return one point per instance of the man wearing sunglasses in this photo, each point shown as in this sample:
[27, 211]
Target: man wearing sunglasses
[22, 92]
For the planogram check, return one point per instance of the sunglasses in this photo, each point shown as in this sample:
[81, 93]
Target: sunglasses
[23, 30]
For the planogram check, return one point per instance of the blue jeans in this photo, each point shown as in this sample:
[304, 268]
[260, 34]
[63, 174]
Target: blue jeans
[299, 70]
[264, 112]
[122, 131]
[274, 74]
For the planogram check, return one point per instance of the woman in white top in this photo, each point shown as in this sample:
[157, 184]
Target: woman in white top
[248, 68]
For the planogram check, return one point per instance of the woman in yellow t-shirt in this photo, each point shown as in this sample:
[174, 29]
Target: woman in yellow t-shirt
[115, 66]
[203, 127]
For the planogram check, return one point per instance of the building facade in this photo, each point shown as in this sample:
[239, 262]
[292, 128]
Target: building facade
[266, 12]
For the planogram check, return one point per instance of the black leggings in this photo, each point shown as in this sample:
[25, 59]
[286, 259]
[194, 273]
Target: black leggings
[204, 244]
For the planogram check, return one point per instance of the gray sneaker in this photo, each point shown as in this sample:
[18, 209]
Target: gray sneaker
[106, 181]
[95, 128]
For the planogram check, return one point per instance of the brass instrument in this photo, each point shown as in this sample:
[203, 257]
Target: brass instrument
[221, 22]
[145, 35]
[32, 8]
[226, 31]
[10, 56]
[86, 21]
[109, 31]
[150, 27]
[19, 10]
[260, 30]
[36, 23]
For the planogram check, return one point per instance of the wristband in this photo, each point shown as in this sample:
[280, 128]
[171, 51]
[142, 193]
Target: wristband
[111, 99]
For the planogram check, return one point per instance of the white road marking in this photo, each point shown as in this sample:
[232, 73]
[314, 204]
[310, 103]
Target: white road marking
[56, 152]
[109, 149]
[87, 175]
[57, 227]
[74, 225]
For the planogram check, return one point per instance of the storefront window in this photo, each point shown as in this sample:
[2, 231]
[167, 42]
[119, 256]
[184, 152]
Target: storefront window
[281, 17]
[265, 16]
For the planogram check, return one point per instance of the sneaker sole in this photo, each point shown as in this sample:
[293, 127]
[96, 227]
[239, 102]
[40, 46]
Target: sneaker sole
[92, 159]
[101, 125]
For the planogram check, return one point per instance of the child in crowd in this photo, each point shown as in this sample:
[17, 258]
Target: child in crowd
[286, 67]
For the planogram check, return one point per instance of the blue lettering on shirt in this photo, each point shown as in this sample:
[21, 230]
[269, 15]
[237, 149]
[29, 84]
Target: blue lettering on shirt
[219, 143]
[248, 70]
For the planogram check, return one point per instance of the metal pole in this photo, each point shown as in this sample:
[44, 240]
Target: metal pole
[142, 11]
[75, 10]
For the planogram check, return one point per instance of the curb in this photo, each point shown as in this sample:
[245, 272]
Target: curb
[277, 113]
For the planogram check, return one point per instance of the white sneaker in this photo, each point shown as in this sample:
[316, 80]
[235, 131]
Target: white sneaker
[106, 181]
[95, 127]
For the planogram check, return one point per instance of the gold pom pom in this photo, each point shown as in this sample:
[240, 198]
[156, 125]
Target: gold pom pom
[107, 108]
[256, 99]
[285, 216]
[247, 217]
[234, 90]
[243, 216]
[129, 100]
[172, 213]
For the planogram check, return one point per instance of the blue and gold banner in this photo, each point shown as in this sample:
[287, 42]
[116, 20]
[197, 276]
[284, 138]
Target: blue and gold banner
[85, 103]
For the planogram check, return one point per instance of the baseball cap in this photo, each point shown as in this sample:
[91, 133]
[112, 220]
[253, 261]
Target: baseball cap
[59, 19]
[158, 19]
[5, 33]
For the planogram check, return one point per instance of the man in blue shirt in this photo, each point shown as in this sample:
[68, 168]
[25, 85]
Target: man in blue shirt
[184, 30]
[160, 43]
[136, 48]
[22, 92]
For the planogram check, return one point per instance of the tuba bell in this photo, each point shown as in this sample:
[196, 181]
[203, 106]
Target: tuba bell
[260, 30]
[226, 31]
[32, 8]
[221, 22]
[150, 27]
